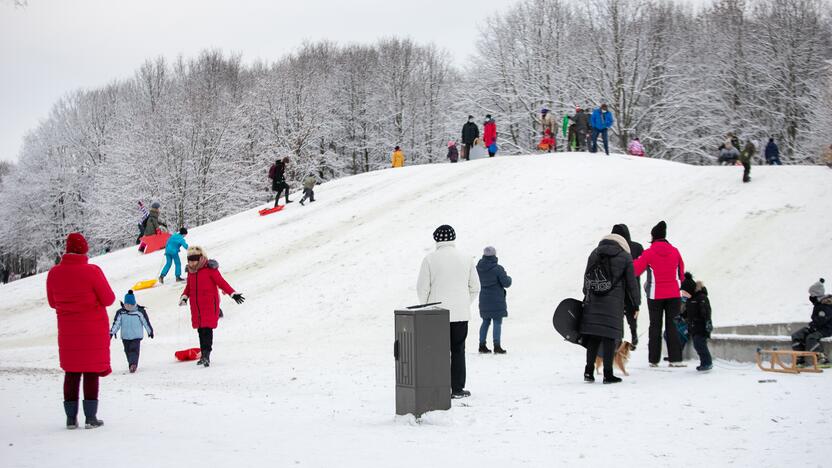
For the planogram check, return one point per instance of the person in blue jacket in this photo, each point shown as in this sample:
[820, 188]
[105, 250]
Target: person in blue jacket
[601, 121]
[773, 153]
[172, 247]
[493, 284]
[132, 320]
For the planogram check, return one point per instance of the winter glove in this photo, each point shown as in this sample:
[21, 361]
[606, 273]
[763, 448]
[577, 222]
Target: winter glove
[238, 298]
[183, 300]
[151, 336]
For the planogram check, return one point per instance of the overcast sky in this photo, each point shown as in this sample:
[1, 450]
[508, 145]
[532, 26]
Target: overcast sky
[52, 47]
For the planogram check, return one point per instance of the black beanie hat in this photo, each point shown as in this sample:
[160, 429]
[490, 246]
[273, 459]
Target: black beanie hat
[622, 230]
[688, 284]
[444, 233]
[659, 231]
[183, 231]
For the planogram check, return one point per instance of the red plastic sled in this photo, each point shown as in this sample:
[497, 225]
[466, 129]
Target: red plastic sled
[155, 242]
[266, 211]
[188, 354]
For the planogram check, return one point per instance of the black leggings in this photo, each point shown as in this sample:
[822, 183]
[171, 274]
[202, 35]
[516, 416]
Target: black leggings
[206, 338]
[72, 384]
[592, 345]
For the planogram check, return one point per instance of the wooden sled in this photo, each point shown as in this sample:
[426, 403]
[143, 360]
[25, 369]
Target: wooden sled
[776, 363]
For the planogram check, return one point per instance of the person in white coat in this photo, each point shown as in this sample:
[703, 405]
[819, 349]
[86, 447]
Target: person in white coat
[450, 277]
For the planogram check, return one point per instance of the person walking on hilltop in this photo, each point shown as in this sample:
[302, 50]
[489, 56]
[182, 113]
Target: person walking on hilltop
[204, 279]
[398, 157]
[608, 283]
[746, 156]
[449, 276]
[493, 284]
[772, 153]
[80, 294]
[581, 120]
[489, 135]
[470, 136]
[277, 173]
[601, 121]
[665, 272]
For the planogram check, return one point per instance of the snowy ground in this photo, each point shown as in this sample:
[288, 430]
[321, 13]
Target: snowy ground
[302, 373]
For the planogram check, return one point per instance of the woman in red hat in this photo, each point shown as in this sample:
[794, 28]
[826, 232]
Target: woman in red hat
[79, 293]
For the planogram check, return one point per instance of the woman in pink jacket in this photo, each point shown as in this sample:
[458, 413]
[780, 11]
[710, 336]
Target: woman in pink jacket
[665, 272]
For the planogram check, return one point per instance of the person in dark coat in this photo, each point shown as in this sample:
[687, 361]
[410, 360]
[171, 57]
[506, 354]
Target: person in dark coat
[746, 155]
[581, 120]
[277, 174]
[470, 134]
[772, 153]
[601, 322]
[493, 284]
[808, 338]
[697, 314]
[630, 309]
[453, 153]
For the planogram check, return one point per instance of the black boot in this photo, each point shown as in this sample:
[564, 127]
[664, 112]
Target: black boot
[589, 373]
[201, 360]
[498, 349]
[484, 349]
[71, 410]
[206, 358]
[90, 410]
[610, 379]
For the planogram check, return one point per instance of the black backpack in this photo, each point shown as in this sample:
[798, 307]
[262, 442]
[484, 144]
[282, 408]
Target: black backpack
[598, 278]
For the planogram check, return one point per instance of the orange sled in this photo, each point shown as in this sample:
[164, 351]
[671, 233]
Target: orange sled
[266, 211]
[188, 354]
[155, 242]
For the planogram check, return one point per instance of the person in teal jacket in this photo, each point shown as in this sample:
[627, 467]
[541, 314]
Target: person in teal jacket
[132, 320]
[601, 121]
[172, 247]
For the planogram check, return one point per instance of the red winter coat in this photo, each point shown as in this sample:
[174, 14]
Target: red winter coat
[489, 133]
[666, 270]
[202, 293]
[79, 293]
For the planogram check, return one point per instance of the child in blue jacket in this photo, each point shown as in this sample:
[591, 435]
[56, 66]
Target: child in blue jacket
[132, 320]
[172, 247]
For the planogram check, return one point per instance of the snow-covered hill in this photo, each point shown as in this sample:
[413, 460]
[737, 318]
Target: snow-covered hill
[302, 372]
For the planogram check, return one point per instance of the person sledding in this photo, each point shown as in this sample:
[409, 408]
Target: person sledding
[132, 320]
[547, 143]
[204, 279]
[172, 255]
[635, 148]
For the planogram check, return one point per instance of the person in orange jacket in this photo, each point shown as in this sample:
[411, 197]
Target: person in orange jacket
[398, 157]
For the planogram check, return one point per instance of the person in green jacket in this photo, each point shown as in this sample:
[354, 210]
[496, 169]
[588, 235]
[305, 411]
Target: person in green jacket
[309, 188]
[746, 155]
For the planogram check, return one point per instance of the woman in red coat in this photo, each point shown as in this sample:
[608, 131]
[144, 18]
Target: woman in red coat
[80, 293]
[665, 272]
[203, 280]
[489, 135]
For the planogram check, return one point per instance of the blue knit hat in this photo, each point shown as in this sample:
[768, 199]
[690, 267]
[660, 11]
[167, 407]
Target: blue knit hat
[129, 298]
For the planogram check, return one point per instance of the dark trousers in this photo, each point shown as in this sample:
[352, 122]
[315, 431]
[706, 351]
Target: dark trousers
[459, 332]
[607, 346]
[308, 193]
[604, 137]
[807, 339]
[131, 350]
[279, 188]
[466, 151]
[206, 339]
[581, 139]
[746, 173]
[630, 314]
[700, 344]
[667, 309]
[72, 385]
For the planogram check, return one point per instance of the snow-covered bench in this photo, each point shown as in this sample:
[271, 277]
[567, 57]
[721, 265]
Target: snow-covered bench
[740, 342]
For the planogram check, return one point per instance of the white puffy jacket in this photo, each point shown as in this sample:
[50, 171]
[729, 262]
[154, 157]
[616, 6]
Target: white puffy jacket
[449, 277]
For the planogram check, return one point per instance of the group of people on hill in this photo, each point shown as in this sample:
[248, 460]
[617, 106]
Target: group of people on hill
[80, 294]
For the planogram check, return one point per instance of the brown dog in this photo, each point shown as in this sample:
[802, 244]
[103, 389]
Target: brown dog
[622, 355]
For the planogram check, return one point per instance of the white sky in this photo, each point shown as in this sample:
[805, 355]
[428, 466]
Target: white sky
[52, 47]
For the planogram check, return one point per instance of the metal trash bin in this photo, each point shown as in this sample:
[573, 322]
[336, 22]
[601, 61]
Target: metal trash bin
[423, 360]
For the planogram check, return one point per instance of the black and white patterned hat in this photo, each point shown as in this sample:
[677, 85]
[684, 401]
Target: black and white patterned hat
[444, 233]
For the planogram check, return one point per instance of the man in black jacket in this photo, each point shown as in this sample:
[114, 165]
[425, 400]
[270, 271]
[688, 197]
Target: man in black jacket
[808, 338]
[630, 309]
[581, 120]
[470, 133]
[276, 173]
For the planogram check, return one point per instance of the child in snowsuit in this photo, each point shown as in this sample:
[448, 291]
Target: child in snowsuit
[142, 221]
[635, 148]
[697, 314]
[547, 143]
[808, 338]
[746, 156]
[172, 255]
[309, 188]
[132, 320]
[203, 280]
[817, 291]
[398, 157]
[453, 153]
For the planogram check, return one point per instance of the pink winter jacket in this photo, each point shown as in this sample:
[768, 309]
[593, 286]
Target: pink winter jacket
[666, 270]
